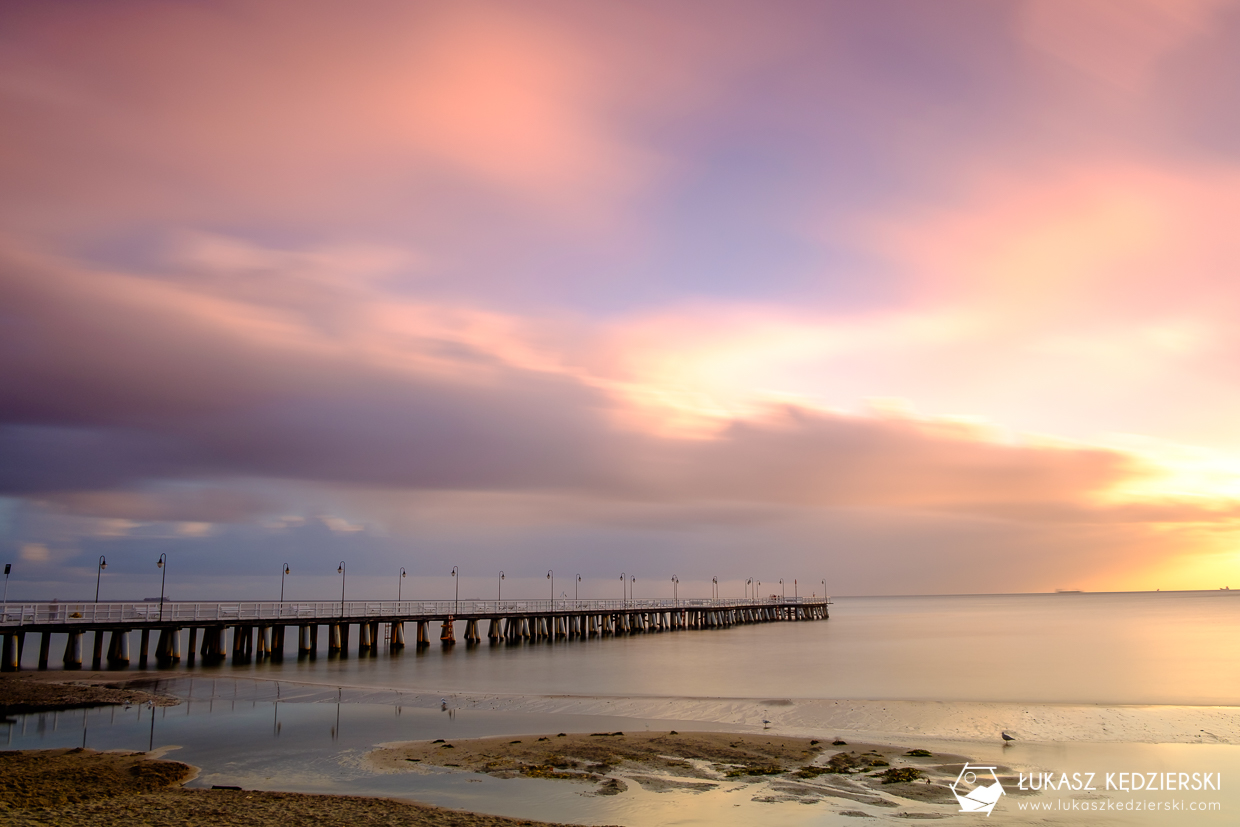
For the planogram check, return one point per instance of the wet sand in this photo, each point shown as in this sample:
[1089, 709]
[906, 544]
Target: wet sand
[75, 787]
[47, 691]
[607, 763]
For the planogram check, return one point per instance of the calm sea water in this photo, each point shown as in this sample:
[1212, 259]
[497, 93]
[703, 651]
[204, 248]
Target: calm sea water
[1140, 648]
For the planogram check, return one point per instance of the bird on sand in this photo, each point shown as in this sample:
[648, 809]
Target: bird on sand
[1006, 737]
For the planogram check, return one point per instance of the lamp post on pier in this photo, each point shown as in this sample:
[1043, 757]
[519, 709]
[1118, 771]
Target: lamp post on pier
[783, 592]
[576, 583]
[675, 590]
[163, 578]
[283, 571]
[103, 564]
[551, 577]
[457, 603]
[499, 590]
[624, 599]
[749, 583]
[632, 585]
[340, 570]
[400, 583]
[714, 587]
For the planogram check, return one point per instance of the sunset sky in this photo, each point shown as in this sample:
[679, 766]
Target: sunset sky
[903, 297]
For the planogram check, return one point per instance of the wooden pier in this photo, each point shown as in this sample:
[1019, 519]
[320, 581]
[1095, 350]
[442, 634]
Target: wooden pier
[248, 631]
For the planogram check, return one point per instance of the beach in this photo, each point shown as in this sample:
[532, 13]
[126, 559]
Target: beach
[82, 787]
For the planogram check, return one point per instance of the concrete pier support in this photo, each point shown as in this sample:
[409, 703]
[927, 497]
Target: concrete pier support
[243, 644]
[264, 642]
[73, 651]
[447, 632]
[96, 659]
[144, 645]
[471, 631]
[214, 644]
[277, 642]
[303, 641]
[333, 638]
[9, 662]
[493, 628]
[364, 640]
[424, 637]
[118, 648]
[45, 646]
[168, 647]
[193, 644]
[398, 635]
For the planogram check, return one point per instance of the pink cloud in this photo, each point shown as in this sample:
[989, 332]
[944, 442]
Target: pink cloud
[1117, 43]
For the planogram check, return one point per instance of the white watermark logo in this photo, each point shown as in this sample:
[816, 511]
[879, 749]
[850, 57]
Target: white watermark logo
[977, 789]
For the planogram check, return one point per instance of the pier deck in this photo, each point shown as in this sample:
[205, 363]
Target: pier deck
[259, 627]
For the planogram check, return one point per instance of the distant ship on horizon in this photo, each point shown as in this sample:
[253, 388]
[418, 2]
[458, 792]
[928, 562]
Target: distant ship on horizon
[1068, 591]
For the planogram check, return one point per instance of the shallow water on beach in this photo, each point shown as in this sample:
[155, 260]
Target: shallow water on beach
[315, 740]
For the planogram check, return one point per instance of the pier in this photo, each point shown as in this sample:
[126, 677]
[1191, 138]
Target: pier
[249, 630]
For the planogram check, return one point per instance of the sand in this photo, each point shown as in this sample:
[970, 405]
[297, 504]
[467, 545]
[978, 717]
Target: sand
[789, 768]
[47, 691]
[92, 789]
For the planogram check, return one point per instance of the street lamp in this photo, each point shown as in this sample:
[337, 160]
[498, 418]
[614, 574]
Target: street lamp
[795, 594]
[457, 605]
[575, 584]
[499, 592]
[783, 592]
[714, 587]
[159, 564]
[400, 583]
[824, 589]
[283, 572]
[632, 585]
[623, 583]
[551, 577]
[675, 589]
[340, 570]
[103, 564]
[749, 583]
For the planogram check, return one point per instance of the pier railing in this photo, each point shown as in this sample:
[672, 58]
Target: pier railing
[294, 611]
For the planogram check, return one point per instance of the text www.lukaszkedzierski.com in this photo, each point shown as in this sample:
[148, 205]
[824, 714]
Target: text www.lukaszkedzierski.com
[1127, 806]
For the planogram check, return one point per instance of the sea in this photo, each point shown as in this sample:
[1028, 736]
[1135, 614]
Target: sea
[1117, 683]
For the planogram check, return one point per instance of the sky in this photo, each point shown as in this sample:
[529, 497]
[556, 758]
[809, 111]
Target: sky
[869, 297]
